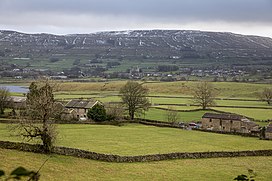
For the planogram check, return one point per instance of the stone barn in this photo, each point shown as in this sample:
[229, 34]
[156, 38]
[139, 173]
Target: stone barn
[227, 123]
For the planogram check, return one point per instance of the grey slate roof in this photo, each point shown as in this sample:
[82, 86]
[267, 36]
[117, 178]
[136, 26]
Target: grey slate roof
[79, 103]
[223, 116]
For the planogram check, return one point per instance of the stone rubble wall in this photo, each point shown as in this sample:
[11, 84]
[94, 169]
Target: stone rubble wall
[129, 159]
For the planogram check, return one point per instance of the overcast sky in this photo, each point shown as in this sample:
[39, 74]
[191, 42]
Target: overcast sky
[87, 16]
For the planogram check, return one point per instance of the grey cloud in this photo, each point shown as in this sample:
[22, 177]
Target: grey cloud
[170, 10]
[83, 16]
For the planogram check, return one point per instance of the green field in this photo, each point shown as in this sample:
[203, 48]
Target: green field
[161, 115]
[176, 93]
[180, 88]
[259, 114]
[260, 104]
[106, 92]
[70, 168]
[254, 111]
[134, 139]
[45, 63]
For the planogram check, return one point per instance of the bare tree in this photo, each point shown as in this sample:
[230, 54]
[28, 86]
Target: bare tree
[36, 122]
[4, 99]
[204, 94]
[266, 95]
[134, 98]
[114, 111]
[172, 115]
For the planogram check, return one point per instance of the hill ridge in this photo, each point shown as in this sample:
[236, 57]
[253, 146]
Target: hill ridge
[171, 42]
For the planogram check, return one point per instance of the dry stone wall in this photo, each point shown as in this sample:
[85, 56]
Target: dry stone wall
[129, 159]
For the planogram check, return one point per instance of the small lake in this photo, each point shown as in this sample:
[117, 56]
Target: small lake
[15, 88]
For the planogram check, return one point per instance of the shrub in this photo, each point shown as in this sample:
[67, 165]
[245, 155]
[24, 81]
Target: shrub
[97, 113]
[19, 174]
[114, 111]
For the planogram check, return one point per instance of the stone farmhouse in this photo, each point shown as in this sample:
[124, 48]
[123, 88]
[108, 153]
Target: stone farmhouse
[228, 123]
[268, 132]
[80, 107]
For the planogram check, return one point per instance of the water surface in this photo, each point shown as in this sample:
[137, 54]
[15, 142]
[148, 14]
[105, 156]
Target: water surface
[15, 88]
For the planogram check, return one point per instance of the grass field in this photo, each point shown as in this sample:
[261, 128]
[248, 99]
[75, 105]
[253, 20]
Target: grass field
[242, 103]
[109, 97]
[255, 112]
[134, 139]
[259, 114]
[179, 88]
[224, 89]
[106, 92]
[45, 63]
[157, 114]
[70, 168]
[161, 115]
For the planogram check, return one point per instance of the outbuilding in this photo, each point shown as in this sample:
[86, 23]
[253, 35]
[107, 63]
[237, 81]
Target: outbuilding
[227, 123]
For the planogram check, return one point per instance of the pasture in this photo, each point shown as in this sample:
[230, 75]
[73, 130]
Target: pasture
[179, 88]
[161, 115]
[259, 114]
[70, 168]
[134, 139]
[239, 98]
[251, 108]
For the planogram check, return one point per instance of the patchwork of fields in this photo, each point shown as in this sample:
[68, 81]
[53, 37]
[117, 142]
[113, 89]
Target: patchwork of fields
[239, 98]
[179, 88]
[134, 139]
